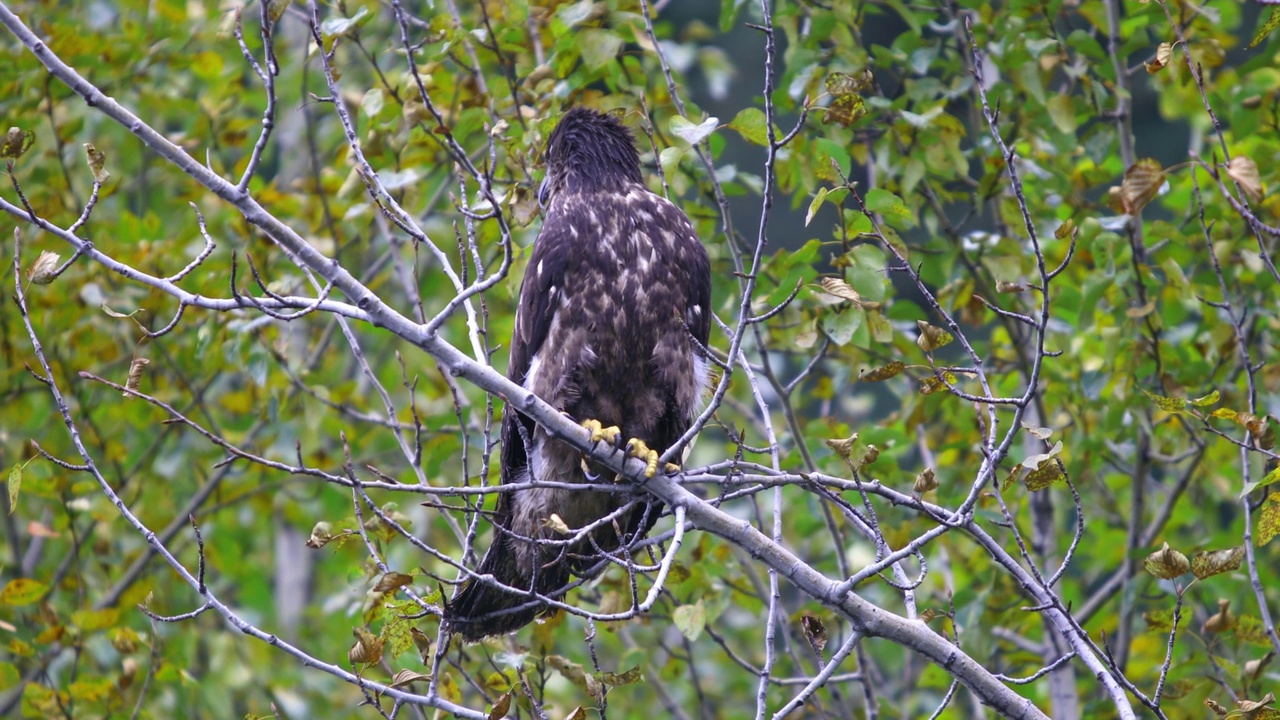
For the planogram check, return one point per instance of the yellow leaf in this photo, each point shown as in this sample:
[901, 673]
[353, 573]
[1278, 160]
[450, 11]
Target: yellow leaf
[883, 372]
[1207, 400]
[1268, 521]
[22, 591]
[1141, 312]
[931, 338]
[1168, 404]
[932, 384]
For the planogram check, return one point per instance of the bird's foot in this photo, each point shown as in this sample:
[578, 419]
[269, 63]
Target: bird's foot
[599, 432]
[637, 448]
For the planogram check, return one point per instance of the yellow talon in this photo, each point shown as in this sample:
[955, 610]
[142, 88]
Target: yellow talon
[638, 449]
[672, 468]
[599, 432]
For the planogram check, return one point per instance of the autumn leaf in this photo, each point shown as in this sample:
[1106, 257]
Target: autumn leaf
[1244, 171]
[41, 271]
[1166, 563]
[882, 373]
[931, 338]
[1141, 183]
[1208, 563]
[1268, 521]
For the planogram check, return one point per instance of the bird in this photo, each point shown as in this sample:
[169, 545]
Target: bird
[611, 329]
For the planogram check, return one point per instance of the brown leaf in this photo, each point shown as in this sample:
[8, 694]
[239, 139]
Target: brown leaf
[1216, 562]
[16, 142]
[815, 632]
[574, 673]
[840, 289]
[1141, 183]
[420, 641]
[407, 677]
[1164, 53]
[1166, 563]
[96, 161]
[367, 649]
[134, 379]
[1221, 621]
[1251, 707]
[391, 582]
[501, 708]
[321, 534]
[41, 271]
[1245, 172]
[1253, 669]
[630, 677]
[925, 482]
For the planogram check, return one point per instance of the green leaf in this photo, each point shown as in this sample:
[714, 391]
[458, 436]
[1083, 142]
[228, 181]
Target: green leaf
[15, 485]
[895, 211]
[93, 620]
[750, 124]
[729, 13]
[840, 326]
[1062, 113]
[1266, 28]
[690, 620]
[814, 205]
[342, 25]
[1268, 479]
[598, 47]
[1207, 400]
[372, 103]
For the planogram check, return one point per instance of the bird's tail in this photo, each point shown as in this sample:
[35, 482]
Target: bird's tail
[480, 610]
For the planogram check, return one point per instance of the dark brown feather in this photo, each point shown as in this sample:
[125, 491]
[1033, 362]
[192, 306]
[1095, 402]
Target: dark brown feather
[617, 288]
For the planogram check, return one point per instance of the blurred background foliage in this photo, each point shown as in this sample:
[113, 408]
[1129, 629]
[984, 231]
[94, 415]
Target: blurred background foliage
[895, 109]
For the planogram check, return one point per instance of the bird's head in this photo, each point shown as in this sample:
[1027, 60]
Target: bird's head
[589, 151]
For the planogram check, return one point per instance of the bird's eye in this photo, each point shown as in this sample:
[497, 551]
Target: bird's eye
[544, 190]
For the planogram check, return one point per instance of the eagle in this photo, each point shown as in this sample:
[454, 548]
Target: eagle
[611, 329]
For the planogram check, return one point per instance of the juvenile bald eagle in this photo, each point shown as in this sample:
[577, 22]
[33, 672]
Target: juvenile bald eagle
[616, 291]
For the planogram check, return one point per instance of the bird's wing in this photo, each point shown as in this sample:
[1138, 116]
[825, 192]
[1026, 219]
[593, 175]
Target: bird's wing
[693, 256]
[539, 297]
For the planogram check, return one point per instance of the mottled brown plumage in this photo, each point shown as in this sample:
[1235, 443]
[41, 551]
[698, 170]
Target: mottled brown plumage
[616, 290]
